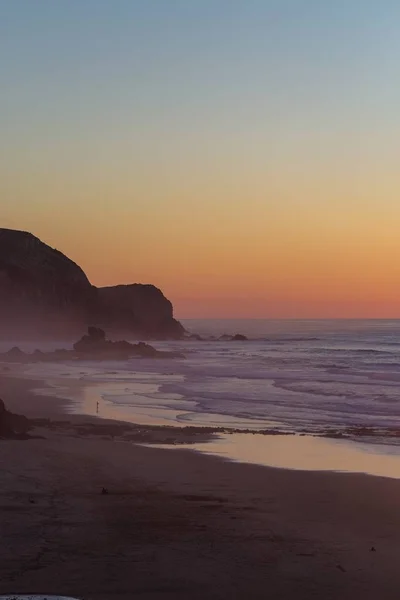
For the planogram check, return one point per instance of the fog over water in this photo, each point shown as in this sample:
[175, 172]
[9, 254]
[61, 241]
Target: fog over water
[331, 378]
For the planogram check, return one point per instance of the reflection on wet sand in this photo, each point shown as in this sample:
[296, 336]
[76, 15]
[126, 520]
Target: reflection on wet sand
[138, 403]
[307, 453]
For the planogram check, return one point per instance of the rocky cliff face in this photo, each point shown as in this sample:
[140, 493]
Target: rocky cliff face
[41, 290]
[44, 293]
[137, 308]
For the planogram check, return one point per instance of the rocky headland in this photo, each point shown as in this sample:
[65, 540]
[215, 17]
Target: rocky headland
[44, 294]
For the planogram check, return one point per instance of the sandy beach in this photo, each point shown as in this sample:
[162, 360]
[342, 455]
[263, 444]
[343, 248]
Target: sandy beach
[176, 524]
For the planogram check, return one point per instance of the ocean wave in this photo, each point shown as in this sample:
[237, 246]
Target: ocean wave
[352, 351]
[293, 379]
[287, 340]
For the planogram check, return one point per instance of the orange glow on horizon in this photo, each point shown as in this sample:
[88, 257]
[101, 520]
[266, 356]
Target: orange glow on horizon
[247, 166]
[305, 241]
[309, 267]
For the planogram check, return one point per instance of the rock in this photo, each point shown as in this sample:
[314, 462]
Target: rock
[140, 310]
[239, 338]
[93, 346]
[92, 342]
[124, 346]
[95, 343]
[232, 338]
[15, 354]
[195, 337]
[12, 426]
[43, 293]
[95, 333]
[145, 350]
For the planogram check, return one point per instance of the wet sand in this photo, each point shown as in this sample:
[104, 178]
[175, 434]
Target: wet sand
[181, 525]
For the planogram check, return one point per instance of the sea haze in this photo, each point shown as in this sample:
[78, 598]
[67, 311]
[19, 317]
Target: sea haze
[328, 377]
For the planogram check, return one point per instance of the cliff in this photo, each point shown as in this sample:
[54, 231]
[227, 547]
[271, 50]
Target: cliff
[45, 294]
[41, 290]
[140, 309]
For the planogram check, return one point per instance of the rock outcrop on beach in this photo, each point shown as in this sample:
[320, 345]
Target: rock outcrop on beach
[92, 346]
[12, 426]
[45, 294]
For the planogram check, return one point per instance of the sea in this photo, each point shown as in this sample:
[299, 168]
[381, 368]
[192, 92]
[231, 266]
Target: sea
[334, 383]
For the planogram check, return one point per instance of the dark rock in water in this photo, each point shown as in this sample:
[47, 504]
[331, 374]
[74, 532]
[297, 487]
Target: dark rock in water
[12, 426]
[195, 337]
[91, 342]
[45, 294]
[95, 343]
[15, 354]
[95, 333]
[38, 355]
[94, 346]
[239, 338]
[142, 349]
[123, 346]
[232, 338]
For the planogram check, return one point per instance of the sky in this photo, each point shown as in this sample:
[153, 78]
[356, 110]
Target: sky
[242, 155]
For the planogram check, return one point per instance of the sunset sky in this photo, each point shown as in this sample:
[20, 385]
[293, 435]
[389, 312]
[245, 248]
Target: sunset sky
[243, 155]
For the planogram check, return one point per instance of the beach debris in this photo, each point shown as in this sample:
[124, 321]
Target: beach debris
[341, 568]
[373, 549]
[104, 491]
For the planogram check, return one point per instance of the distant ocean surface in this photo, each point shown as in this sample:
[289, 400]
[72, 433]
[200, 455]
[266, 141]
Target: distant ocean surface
[312, 375]
[330, 377]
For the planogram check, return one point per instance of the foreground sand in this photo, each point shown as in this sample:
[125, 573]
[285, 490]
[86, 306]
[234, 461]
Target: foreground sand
[179, 525]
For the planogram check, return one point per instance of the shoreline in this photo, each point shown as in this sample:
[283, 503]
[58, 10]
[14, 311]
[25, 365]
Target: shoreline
[81, 390]
[48, 411]
[182, 524]
[267, 448]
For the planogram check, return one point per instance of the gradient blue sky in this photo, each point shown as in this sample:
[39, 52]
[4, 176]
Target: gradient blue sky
[242, 155]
